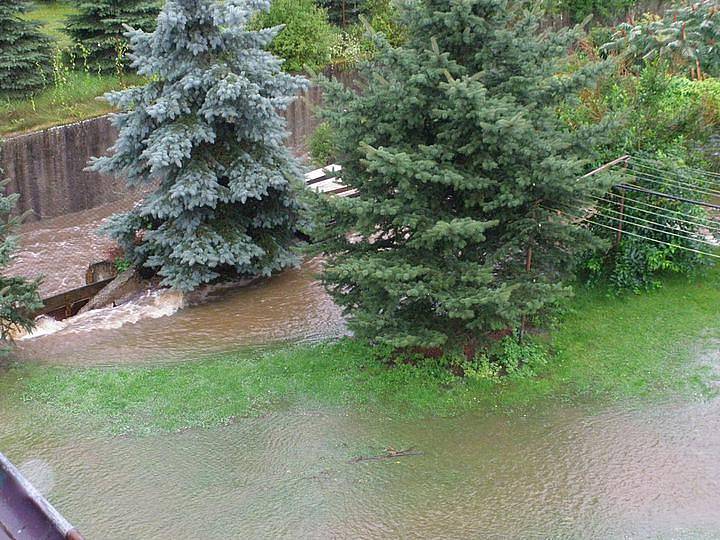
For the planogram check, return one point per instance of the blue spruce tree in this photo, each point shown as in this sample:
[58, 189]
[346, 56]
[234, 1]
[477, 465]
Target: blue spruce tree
[207, 132]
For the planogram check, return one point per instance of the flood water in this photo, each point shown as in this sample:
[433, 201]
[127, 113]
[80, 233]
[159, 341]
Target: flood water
[558, 472]
[588, 470]
[291, 307]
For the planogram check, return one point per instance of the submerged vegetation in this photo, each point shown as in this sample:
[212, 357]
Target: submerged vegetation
[604, 347]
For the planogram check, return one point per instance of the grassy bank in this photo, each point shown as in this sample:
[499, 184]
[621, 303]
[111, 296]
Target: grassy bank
[605, 347]
[72, 97]
[73, 93]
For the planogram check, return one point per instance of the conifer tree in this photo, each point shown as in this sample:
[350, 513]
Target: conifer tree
[98, 29]
[460, 162]
[18, 297]
[207, 131]
[25, 53]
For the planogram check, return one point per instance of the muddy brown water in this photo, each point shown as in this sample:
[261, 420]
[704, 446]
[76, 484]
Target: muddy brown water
[558, 472]
[291, 307]
[626, 470]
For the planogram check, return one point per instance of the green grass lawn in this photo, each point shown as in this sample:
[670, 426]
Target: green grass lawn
[72, 98]
[51, 16]
[609, 348]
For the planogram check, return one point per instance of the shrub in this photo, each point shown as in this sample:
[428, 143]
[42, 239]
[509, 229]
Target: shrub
[508, 358]
[322, 146]
[666, 118]
[306, 38]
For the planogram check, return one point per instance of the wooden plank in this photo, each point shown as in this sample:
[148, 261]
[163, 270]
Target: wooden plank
[328, 186]
[318, 175]
[622, 159]
[66, 300]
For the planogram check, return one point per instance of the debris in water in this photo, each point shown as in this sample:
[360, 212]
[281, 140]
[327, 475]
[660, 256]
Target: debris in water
[390, 453]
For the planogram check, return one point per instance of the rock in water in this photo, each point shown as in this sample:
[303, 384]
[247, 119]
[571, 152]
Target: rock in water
[120, 289]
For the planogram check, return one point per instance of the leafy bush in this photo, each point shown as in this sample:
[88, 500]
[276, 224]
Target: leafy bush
[383, 17]
[307, 37]
[666, 118]
[353, 44]
[509, 358]
[322, 145]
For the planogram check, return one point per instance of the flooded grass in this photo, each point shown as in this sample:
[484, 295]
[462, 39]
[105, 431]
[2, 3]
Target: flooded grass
[609, 348]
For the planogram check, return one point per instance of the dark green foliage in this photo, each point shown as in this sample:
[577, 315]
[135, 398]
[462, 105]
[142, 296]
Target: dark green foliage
[18, 297]
[636, 264]
[686, 35]
[384, 17]
[98, 33]
[458, 154]
[307, 37]
[601, 10]
[507, 358]
[343, 12]
[25, 53]
[322, 146]
[665, 118]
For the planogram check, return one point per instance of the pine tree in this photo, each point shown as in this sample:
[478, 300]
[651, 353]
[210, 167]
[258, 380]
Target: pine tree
[25, 53]
[18, 297]
[207, 131]
[460, 161]
[97, 29]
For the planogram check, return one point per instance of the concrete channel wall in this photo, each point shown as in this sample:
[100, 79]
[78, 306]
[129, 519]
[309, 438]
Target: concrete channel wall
[47, 167]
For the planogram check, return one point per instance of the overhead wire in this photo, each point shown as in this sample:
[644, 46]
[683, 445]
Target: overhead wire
[636, 235]
[655, 164]
[641, 170]
[659, 180]
[678, 178]
[631, 220]
[692, 178]
[707, 224]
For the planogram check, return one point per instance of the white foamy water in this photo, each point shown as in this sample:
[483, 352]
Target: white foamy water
[151, 305]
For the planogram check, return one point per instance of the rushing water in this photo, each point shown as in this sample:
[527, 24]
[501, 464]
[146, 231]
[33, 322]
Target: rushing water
[288, 307]
[574, 471]
[60, 249]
